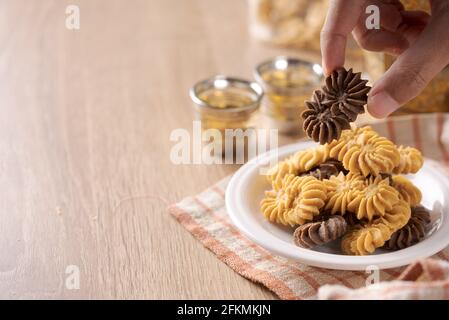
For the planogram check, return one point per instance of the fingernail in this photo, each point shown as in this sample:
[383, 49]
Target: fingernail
[381, 105]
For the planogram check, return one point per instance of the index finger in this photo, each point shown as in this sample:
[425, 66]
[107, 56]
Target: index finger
[342, 17]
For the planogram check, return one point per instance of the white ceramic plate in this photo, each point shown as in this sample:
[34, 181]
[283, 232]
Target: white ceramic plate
[246, 190]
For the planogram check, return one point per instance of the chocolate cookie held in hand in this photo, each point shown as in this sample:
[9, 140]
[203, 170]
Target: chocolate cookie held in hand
[319, 122]
[337, 104]
[318, 233]
[346, 92]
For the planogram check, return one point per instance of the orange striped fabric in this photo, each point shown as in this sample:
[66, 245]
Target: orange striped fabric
[422, 280]
[205, 217]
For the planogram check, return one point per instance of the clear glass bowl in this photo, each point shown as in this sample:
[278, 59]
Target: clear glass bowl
[223, 105]
[288, 83]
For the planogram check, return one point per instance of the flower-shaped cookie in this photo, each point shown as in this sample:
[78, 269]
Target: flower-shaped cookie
[279, 200]
[407, 190]
[377, 197]
[363, 240]
[341, 190]
[307, 159]
[319, 122]
[337, 148]
[302, 161]
[413, 232]
[410, 160]
[346, 93]
[366, 153]
[320, 232]
[296, 201]
[397, 217]
[280, 170]
[309, 201]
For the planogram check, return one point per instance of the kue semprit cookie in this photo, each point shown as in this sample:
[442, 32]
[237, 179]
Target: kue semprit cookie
[365, 152]
[310, 158]
[410, 160]
[363, 240]
[341, 190]
[294, 202]
[413, 232]
[320, 232]
[407, 190]
[397, 217]
[376, 197]
[346, 93]
[279, 201]
[319, 122]
[338, 148]
[281, 169]
[335, 106]
[310, 200]
[302, 161]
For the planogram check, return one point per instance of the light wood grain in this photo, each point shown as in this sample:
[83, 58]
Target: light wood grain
[84, 145]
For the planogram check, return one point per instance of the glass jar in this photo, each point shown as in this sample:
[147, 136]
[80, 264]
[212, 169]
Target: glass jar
[222, 105]
[287, 83]
[294, 24]
[290, 23]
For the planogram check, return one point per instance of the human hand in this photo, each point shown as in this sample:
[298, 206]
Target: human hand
[420, 42]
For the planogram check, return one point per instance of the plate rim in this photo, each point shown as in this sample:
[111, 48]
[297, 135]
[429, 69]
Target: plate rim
[316, 258]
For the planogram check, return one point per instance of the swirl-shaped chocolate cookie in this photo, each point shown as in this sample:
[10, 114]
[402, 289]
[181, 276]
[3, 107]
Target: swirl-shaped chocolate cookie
[320, 124]
[413, 232]
[346, 93]
[318, 233]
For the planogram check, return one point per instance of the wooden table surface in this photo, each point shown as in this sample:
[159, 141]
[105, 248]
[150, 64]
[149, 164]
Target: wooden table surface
[85, 122]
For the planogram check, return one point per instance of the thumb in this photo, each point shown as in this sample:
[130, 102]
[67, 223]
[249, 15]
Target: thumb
[413, 69]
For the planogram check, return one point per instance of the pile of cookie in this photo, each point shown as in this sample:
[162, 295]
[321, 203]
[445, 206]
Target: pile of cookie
[351, 186]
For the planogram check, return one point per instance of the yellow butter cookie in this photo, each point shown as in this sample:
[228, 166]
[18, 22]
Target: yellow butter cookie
[337, 148]
[281, 169]
[298, 163]
[397, 217]
[363, 240]
[364, 151]
[310, 158]
[341, 190]
[311, 199]
[410, 160]
[375, 198]
[407, 190]
[279, 200]
[295, 201]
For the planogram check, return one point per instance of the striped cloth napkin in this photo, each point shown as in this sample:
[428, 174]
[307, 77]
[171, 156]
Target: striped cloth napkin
[422, 280]
[205, 217]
